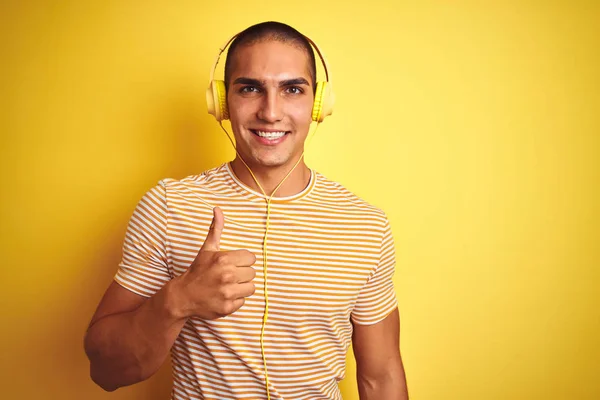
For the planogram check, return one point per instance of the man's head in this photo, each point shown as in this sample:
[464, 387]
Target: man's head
[270, 78]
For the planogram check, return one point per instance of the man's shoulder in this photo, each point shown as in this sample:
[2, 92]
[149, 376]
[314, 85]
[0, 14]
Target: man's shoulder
[205, 178]
[335, 193]
[211, 182]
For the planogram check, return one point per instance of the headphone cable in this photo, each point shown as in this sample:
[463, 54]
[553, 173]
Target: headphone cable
[268, 199]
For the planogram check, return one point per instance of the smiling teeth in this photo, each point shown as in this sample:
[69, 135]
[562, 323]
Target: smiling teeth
[270, 135]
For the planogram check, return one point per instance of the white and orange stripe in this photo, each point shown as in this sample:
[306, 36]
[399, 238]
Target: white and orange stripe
[330, 264]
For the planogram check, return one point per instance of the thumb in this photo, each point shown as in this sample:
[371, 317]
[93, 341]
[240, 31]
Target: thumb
[213, 239]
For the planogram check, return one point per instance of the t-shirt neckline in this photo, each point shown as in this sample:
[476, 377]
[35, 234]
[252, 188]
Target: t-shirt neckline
[275, 199]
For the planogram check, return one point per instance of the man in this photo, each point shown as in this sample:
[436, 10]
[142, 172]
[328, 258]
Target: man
[193, 280]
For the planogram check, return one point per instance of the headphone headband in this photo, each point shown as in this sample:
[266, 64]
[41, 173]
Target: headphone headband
[314, 45]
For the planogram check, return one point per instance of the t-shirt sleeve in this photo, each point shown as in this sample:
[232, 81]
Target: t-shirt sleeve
[377, 299]
[144, 268]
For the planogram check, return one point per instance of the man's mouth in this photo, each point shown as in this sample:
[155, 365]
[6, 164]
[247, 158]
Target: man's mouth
[269, 135]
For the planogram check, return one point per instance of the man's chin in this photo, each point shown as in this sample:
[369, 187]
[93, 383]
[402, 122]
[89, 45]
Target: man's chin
[269, 161]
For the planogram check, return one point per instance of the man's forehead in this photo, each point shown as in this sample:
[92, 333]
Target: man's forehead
[271, 60]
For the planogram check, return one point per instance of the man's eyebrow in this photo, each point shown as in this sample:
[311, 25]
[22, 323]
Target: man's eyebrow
[248, 81]
[256, 82]
[294, 82]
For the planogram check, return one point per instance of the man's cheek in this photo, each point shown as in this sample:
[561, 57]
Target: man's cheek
[303, 115]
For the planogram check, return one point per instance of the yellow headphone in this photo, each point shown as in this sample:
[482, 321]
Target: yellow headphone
[216, 94]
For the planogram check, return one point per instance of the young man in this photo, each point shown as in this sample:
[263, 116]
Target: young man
[194, 282]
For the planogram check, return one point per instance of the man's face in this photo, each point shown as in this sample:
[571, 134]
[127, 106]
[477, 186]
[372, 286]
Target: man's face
[270, 99]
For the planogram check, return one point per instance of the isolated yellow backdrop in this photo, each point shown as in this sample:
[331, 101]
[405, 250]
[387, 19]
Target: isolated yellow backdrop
[474, 126]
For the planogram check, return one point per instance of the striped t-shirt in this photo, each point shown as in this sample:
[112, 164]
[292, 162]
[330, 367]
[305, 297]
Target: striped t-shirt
[330, 264]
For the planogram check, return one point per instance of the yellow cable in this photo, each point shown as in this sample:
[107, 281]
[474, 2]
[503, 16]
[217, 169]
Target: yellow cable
[266, 314]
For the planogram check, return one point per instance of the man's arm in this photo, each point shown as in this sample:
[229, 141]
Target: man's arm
[379, 368]
[130, 336]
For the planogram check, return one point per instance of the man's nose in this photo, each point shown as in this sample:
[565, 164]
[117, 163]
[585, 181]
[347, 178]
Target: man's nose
[271, 108]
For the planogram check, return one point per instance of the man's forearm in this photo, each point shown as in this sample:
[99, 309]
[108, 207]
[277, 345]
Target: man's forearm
[391, 386]
[130, 347]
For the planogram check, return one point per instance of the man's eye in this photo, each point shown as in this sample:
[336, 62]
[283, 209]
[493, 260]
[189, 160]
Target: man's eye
[249, 89]
[294, 90]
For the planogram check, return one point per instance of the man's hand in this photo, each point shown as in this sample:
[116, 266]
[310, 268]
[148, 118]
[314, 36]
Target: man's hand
[217, 282]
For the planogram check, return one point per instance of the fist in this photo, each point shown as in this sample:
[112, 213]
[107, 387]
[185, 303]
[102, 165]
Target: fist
[218, 282]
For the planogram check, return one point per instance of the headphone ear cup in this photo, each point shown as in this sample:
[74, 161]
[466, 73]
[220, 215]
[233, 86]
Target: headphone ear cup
[216, 100]
[324, 99]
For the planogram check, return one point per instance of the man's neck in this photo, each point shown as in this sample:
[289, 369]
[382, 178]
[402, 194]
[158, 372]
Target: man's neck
[270, 177]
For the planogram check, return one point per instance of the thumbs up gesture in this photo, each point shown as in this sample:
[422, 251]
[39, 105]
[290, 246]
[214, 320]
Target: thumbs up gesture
[217, 282]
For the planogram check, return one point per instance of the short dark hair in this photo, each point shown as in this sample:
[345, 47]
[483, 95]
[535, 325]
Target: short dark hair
[271, 30]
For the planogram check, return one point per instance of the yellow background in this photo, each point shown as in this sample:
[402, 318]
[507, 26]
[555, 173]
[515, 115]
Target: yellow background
[474, 125]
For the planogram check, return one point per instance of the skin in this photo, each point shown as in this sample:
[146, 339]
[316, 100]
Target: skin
[130, 336]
